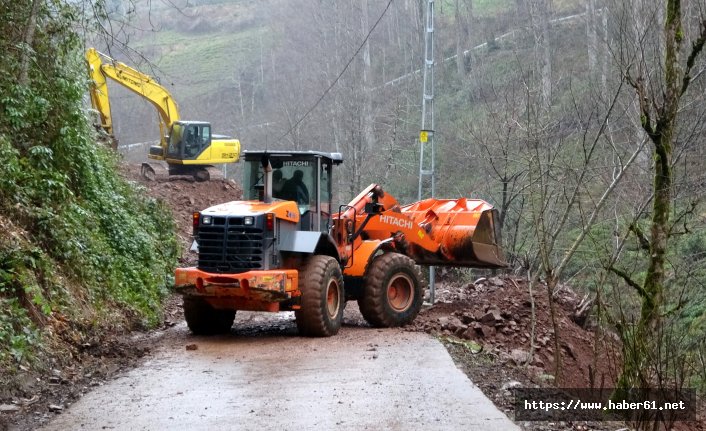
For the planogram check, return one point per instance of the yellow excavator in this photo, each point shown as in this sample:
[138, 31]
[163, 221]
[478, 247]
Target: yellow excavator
[185, 147]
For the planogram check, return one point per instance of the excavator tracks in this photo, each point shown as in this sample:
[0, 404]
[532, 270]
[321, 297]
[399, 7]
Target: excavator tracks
[160, 171]
[152, 171]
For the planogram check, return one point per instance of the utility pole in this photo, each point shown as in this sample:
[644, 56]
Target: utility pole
[426, 136]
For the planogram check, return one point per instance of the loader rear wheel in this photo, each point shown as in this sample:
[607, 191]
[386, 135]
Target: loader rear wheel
[203, 319]
[322, 300]
[392, 291]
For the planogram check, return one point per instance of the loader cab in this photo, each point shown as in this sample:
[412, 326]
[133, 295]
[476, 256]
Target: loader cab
[304, 177]
[188, 139]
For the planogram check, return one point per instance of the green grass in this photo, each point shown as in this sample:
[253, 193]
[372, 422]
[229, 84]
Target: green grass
[487, 8]
[210, 59]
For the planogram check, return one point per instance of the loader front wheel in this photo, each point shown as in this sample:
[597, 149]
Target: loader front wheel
[203, 319]
[322, 300]
[392, 291]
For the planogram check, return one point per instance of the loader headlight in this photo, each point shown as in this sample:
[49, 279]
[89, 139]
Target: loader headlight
[206, 220]
[249, 221]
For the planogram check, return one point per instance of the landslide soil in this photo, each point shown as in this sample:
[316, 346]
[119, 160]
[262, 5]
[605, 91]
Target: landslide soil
[495, 331]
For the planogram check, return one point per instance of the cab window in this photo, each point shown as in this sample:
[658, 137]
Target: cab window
[197, 138]
[292, 180]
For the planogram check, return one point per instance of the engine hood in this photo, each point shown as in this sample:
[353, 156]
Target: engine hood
[285, 210]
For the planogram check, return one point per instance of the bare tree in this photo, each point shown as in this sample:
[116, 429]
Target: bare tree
[661, 77]
[539, 13]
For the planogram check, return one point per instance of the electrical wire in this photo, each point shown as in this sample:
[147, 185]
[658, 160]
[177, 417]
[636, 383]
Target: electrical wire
[340, 74]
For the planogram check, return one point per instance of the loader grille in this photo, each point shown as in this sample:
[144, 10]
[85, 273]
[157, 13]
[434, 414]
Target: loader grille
[228, 246]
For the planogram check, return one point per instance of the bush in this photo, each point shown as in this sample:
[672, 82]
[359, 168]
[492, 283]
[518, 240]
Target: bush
[77, 242]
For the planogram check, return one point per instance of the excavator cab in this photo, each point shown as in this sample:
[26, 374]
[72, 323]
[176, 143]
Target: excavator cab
[188, 139]
[303, 177]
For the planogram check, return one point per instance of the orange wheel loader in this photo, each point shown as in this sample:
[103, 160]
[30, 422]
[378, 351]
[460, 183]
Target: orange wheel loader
[284, 248]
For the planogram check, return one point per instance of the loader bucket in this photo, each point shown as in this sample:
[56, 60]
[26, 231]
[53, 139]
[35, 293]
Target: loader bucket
[466, 230]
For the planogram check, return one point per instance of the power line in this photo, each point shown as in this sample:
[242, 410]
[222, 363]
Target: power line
[340, 74]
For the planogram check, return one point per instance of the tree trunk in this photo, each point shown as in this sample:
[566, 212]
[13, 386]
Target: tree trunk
[463, 11]
[28, 41]
[591, 37]
[658, 117]
[539, 15]
[552, 282]
[368, 131]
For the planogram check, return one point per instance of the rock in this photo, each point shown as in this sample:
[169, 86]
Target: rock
[496, 281]
[468, 334]
[454, 324]
[55, 408]
[9, 408]
[511, 385]
[569, 349]
[491, 317]
[488, 331]
[192, 347]
[467, 317]
[519, 356]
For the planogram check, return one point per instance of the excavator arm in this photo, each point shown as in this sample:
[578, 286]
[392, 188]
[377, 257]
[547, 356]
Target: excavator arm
[135, 81]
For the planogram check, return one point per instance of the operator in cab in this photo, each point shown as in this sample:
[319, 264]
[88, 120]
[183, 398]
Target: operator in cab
[294, 189]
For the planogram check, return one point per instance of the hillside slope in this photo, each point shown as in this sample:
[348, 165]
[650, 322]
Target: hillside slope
[83, 254]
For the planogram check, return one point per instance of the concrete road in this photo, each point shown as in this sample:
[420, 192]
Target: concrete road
[271, 379]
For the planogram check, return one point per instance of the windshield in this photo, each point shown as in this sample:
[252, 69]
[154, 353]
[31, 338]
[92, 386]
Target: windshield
[187, 141]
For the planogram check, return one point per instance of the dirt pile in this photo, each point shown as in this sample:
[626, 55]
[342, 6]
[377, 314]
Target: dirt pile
[497, 315]
[487, 327]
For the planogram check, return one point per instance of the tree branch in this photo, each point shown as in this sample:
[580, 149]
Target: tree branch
[696, 48]
[630, 282]
[642, 239]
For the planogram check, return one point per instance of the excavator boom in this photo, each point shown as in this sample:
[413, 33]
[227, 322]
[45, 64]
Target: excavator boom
[135, 81]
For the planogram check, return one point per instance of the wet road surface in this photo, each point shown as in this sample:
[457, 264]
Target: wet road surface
[263, 376]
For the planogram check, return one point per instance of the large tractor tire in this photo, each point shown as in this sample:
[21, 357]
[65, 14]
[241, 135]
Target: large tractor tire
[392, 291]
[203, 319]
[323, 298]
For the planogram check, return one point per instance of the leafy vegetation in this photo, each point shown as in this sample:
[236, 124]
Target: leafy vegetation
[79, 246]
